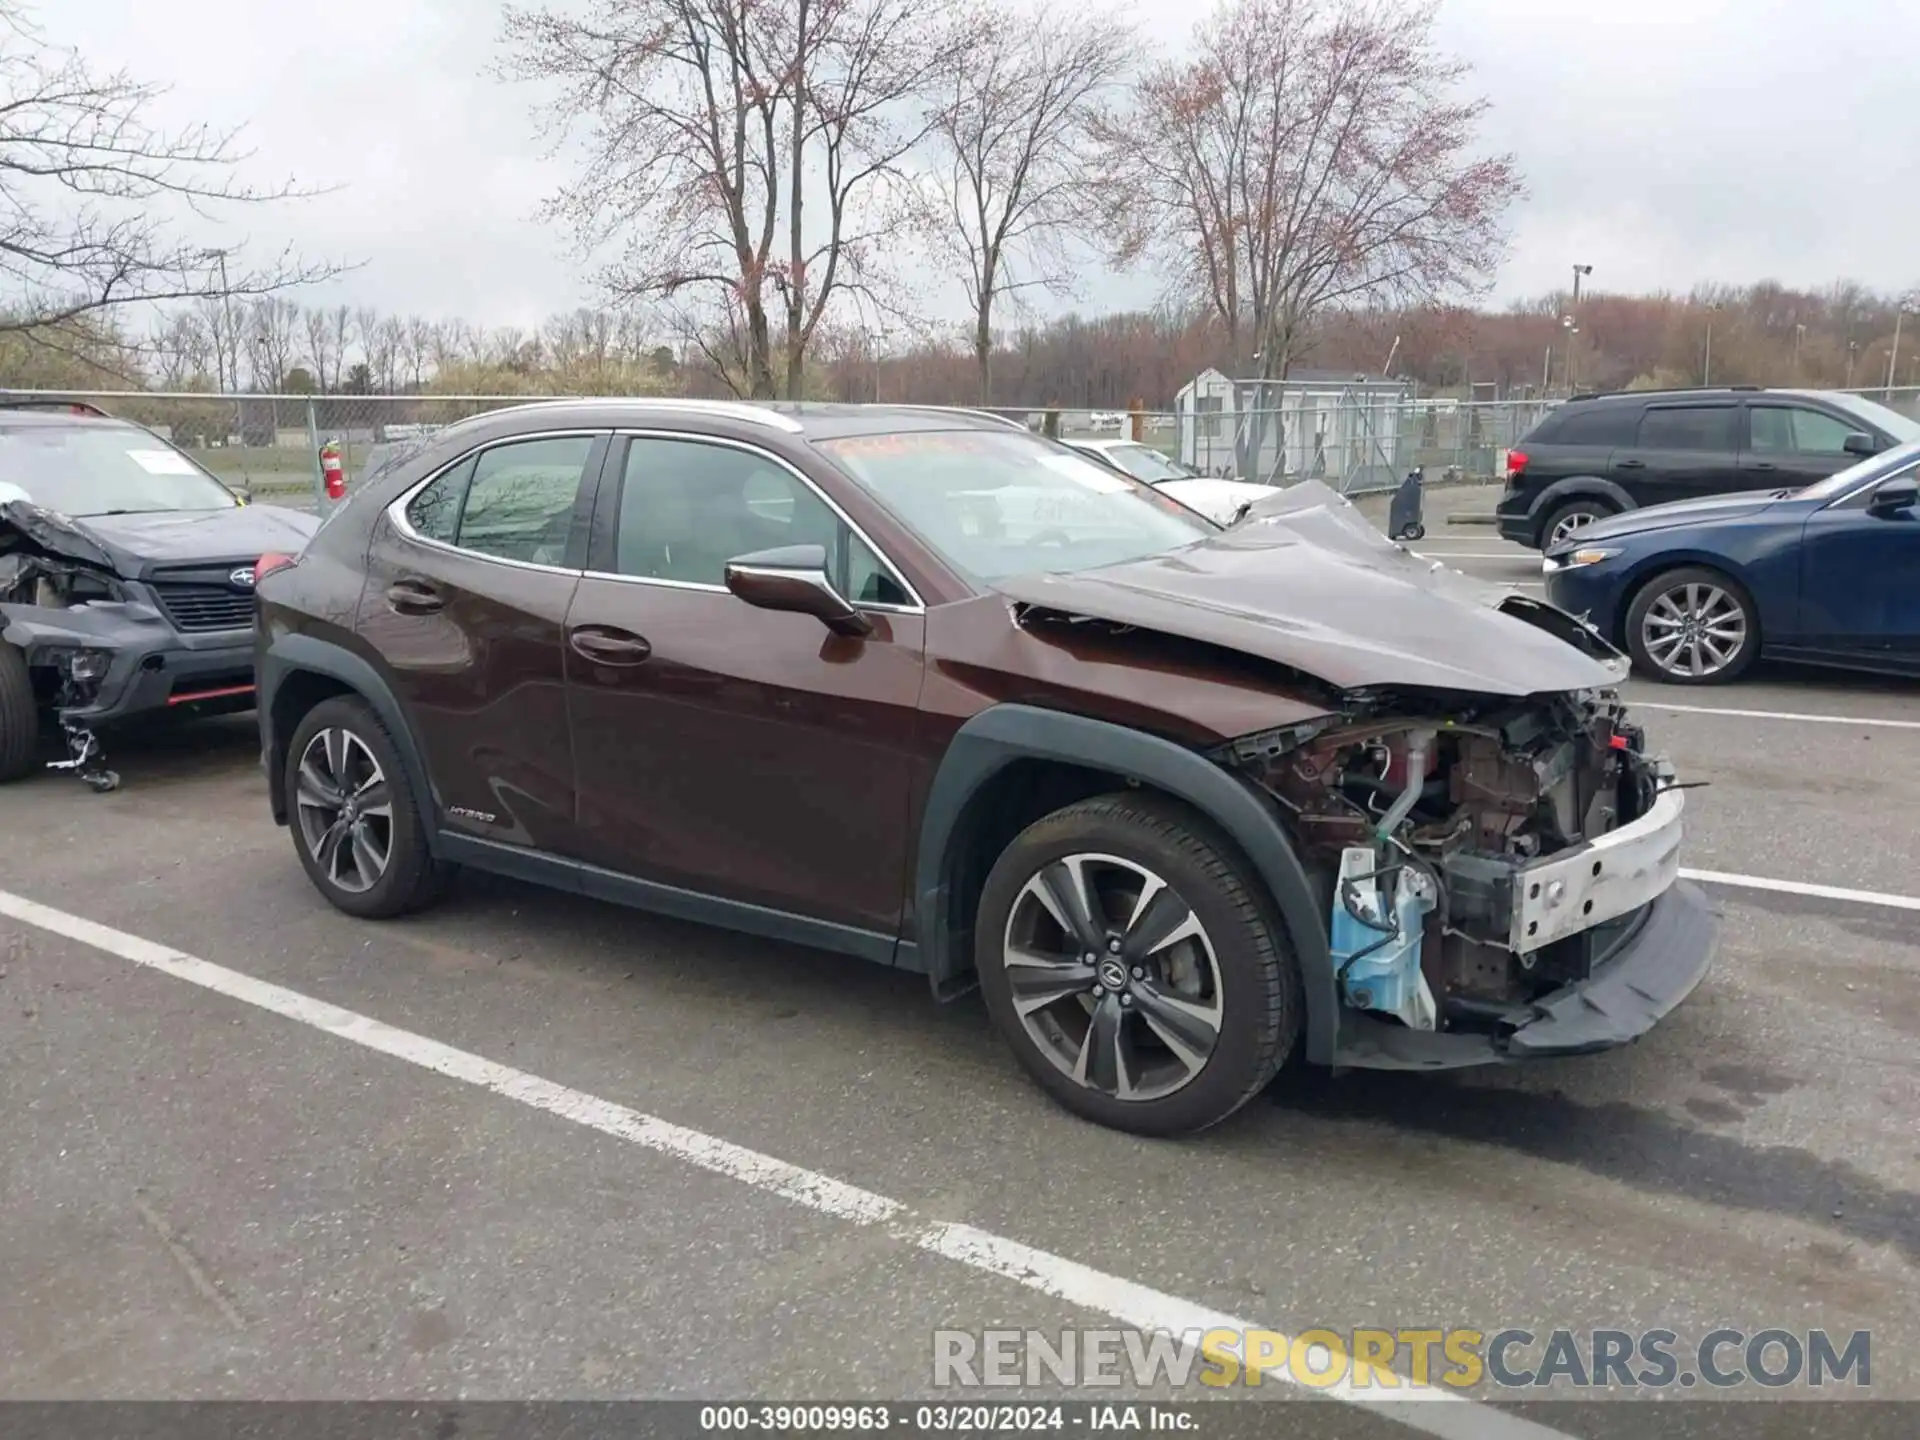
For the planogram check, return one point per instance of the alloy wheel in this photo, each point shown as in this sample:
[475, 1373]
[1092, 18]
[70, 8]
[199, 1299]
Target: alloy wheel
[1570, 525]
[344, 809]
[1113, 976]
[1695, 629]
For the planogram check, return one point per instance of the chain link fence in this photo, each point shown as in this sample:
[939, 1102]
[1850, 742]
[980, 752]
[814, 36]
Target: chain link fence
[1358, 444]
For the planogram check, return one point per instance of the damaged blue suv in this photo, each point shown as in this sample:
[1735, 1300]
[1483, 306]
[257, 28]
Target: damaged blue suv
[126, 582]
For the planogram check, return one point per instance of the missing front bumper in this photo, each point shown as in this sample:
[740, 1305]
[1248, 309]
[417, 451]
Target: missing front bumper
[1655, 965]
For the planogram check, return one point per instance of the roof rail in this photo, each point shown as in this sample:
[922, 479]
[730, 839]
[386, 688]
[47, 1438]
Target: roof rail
[1662, 390]
[68, 407]
[753, 412]
[998, 419]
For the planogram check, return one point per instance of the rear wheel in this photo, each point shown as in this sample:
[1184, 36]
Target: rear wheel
[1134, 966]
[1693, 626]
[19, 715]
[1570, 519]
[356, 822]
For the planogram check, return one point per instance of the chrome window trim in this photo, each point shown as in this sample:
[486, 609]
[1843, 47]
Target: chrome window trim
[396, 511]
[918, 607]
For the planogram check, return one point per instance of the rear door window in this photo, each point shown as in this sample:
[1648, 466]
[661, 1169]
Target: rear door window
[1688, 427]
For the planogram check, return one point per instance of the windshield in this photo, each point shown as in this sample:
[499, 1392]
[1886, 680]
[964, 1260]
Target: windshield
[103, 470]
[1143, 462]
[1898, 426]
[1839, 483]
[996, 504]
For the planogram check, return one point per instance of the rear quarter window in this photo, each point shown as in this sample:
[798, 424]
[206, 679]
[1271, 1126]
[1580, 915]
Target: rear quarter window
[1609, 425]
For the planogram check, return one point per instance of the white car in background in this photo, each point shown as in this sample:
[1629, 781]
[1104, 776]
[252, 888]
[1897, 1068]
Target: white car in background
[1219, 500]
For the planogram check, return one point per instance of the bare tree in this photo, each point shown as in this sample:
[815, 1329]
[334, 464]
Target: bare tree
[181, 350]
[713, 126]
[271, 339]
[317, 349]
[418, 350]
[1014, 128]
[1308, 154]
[86, 184]
[339, 332]
[381, 338]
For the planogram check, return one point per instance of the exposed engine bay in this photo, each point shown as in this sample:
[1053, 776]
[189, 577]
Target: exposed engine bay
[1460, 845]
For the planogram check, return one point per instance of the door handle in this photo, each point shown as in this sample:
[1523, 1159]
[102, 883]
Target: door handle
[1630, 465]
[609, 647]
[1765, 465]
[414, 597]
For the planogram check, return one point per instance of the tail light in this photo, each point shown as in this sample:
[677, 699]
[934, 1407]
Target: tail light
[1516, 463]
[268, 563]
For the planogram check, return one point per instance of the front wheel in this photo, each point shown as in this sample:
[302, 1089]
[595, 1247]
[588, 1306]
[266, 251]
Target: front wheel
[1693, 626]
[19, 715]
[1134, 965]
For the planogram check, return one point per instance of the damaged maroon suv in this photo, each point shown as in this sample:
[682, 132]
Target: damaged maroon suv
[929, 689]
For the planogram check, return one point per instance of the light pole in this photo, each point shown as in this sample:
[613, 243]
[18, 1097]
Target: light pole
[1799, 334]
[1574, 329]
[1853, 352]
[232, 347]
[1893, 355]
[1706, 365]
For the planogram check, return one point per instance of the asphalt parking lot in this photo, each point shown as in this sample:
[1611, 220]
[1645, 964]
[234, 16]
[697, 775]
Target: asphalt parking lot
[214, 1190]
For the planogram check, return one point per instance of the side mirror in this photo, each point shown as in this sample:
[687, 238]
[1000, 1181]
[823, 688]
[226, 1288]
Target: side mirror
[243, 493]
[1860, 443]
[1894, 497]
[794, 578]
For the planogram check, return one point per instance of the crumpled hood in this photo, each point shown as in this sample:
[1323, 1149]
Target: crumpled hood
[1218, 500]
[1678, 512]
[1306, 582]
[133, 545]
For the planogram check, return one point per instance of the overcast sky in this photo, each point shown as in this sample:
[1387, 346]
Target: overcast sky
[1664, 142]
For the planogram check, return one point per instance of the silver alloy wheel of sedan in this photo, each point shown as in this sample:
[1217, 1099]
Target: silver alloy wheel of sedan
[1695, 629]
[1113, 976]
[345, 811]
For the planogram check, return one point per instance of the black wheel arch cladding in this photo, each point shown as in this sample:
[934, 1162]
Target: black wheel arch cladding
[1563, 492]
[292, 655]
[1005, 735]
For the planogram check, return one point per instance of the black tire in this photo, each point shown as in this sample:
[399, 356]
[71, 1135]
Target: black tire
[411, 879]
[1665, 584]
[1259, 999]
[19, 716]
[1585, 512]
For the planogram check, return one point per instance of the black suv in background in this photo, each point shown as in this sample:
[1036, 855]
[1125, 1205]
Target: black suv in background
[1598, 455]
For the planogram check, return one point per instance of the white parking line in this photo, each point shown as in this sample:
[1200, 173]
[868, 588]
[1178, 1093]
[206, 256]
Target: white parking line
[1640, 704]
[1433, 1412]
[1476, 555]
[1801, 887]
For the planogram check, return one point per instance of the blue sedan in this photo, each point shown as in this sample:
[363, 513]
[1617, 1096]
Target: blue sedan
[1698, 590]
